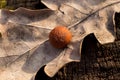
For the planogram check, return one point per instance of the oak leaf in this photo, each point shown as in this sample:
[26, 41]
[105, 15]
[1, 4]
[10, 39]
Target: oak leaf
[24, 44]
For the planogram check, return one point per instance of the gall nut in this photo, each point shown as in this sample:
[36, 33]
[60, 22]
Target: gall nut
[60, 36]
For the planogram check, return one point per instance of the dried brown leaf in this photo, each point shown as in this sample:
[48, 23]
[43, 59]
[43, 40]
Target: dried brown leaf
[24, 46]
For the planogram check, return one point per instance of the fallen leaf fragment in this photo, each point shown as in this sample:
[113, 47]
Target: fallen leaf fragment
[25, 35]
